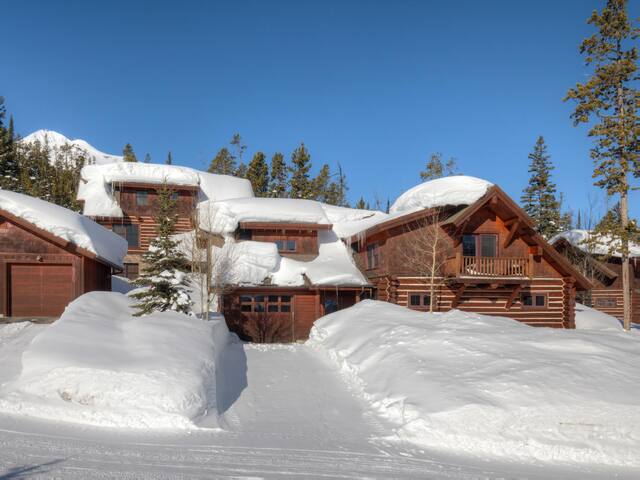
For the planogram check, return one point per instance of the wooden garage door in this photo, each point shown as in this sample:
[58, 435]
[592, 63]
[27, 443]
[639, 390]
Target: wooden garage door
[39, 290]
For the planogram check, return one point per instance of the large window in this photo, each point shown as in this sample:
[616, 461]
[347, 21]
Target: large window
[419, 300]
[485, 245]
[129, 232]
[142, 198]
[534, 300]
[373, 255]
[265, 303]
[606, 302]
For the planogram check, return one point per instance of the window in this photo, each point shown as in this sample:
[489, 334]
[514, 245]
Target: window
[129, 232]
[419, 300]
[373, 255]
[142, 198]
[286, 245]
[534, 300]
[174, 196]
[606, 302]
[131, 270]
[469, 245]
[486, 245]
[244, 234]
[265, 303]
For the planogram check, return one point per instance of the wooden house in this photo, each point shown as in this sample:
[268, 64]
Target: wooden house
[49, 256]
[489, 259]
[123, 197]
[604, 271]
[290, 267]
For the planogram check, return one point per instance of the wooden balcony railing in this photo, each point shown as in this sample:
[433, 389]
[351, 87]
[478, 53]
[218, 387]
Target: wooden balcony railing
[493, 266]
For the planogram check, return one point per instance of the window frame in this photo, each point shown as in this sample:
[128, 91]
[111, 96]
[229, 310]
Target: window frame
[534, 296]
[477, 237]
[613, 302]
[373, 255]
[421, 300]
[140, 194]
[127, 228]
[251, 305]
[283, 244]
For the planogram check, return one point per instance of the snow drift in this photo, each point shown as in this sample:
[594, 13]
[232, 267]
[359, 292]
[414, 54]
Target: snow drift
[101, 366]
[491, 386]
[67, 225]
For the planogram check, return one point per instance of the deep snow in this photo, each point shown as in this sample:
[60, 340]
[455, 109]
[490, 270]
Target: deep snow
[56, 140]
[99, 365]
[66, 224]
[485, 385]
[601, 245]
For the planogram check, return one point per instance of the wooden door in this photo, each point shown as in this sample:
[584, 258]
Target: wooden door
[39, 290]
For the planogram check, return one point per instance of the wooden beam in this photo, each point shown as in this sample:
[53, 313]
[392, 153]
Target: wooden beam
[514, 293]
[458, 295]
[512, 233]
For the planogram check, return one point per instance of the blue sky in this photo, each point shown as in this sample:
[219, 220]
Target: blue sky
[376, 86]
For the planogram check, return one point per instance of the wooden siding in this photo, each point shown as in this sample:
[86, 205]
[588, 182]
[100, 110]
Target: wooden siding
[126, 198]
[306, 240]
[148, 229]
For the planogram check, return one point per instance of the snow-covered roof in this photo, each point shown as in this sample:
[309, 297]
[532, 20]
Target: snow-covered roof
[56, 140]
[251, 263]
[96, 182]
[223, 217]
[454, 190]
[67, 225]
[600, 245]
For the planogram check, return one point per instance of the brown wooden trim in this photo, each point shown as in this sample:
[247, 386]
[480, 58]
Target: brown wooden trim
[284, 226]
[156, 186]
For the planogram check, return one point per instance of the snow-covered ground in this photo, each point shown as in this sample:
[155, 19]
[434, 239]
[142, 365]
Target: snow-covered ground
[286, 413]
[113, 369]
[490, 386]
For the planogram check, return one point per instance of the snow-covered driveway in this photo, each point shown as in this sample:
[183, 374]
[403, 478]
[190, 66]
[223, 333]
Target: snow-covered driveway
[287, 414]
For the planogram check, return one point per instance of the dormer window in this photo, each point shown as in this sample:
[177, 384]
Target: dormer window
[142, 198]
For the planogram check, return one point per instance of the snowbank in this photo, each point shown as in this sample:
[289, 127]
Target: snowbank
[99, 365]
[349, 221]
[589, 319]
[454, 190]
[491, 386]
[56, 141]
[579, 238]
[96, 184]
[66, 224]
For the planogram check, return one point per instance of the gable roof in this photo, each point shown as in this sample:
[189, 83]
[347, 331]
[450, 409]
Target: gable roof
[508, 210]
[557, 242]
[64, 227]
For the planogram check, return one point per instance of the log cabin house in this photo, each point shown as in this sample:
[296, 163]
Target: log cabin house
[50, 255]
[604, 270]
[489, 259]
[289, 267]
[123, 197]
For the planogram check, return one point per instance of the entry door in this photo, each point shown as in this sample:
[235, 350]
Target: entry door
[39, 290]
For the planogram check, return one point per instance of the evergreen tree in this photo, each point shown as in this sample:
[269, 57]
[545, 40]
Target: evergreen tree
[241, 171]
[301, 184]
[579, 221]
[609, 102]
[164, 277]
[361, 204]
[147, 158]
[437, 168]
[611, 218]
[128, 154]
[539, 197]
[169, 160]
[9, 167]
[258, 175]
[320, 185]
[279, 176]
[223, 163]
[337, 191]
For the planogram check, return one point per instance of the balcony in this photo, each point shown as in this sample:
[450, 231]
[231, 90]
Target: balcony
[518, 267]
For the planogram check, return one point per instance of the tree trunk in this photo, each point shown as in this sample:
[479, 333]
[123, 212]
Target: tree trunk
[626, 266]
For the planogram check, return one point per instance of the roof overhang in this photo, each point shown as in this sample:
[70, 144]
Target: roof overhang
[284, 226]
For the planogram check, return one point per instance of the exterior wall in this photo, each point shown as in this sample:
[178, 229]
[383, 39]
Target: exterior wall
[306, 241]
[307, 305]
[19, 246]
[395, 280]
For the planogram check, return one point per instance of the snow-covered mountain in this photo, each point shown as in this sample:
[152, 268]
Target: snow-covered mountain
[57, 140]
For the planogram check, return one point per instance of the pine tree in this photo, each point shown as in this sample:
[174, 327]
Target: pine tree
[611, 218]
[320, 185]
[301, 184]
[164, 277]
[361, 204]
[539, 197]
[579, 221]
[241, 171]
[9, 167]
[169, 160]
[223, 163]
[147, 158]
[128, 154]
[279, 176]
[609, 102]
[436, 168]
[258, 175]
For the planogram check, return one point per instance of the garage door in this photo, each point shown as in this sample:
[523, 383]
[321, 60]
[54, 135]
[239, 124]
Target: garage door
[39, 290]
